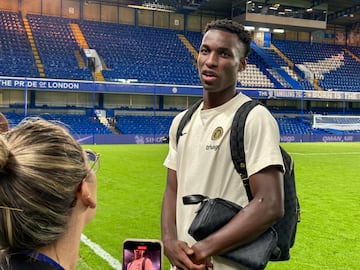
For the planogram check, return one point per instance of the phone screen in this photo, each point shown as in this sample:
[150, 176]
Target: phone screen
[142, 254]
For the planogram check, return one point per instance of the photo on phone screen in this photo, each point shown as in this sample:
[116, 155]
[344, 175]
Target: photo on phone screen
[142, 254]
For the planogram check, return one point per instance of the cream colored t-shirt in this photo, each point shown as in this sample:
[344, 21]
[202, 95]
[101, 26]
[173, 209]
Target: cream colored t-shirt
[202, 159]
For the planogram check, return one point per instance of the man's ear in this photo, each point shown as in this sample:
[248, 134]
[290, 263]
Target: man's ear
[243, 63]
[84, 195]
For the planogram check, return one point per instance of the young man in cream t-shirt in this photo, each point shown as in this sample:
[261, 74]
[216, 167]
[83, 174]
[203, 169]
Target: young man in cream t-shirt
[201, 162]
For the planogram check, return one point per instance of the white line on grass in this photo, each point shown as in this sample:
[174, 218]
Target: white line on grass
[114, 263]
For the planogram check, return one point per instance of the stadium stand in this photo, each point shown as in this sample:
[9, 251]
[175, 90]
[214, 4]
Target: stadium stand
[134, 52]
[129, 52]
[16, 58]
[143, 124]
[56, 45]
[331, 65]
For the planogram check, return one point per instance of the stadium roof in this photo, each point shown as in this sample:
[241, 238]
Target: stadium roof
[345, 12]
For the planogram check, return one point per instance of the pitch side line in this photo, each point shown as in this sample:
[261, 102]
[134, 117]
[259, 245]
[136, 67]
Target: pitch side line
[114, 263]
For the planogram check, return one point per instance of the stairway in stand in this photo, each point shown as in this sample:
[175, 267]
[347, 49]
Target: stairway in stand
[38, 62]
[81, 41]
[316, 85]
[98, 76]
[352, 54]
[80, 59]
[283, 56]
[188, 45]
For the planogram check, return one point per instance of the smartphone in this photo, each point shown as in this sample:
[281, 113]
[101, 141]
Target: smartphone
[142, 254]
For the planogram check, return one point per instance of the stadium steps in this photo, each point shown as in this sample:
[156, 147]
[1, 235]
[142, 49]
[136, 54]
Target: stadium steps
[291, 65]
[38, 62]
[104, 121]
[114, 130]
[283, 56]
[188, 45]
[352, 55]
[80, 59]
[98, 76]
[80, 39]
[316, 85]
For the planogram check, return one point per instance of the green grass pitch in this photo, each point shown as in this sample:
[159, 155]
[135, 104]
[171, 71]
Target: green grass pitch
[131, 182]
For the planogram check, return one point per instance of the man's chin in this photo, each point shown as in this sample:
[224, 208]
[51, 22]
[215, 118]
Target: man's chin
[209, 86]
[211, 89]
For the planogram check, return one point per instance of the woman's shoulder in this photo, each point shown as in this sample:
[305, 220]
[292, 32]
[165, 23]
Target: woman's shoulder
[21, 261]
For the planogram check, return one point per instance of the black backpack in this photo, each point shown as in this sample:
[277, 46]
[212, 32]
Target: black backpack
[286, 227]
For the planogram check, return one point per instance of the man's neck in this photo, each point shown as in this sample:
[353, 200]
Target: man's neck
[213, 100]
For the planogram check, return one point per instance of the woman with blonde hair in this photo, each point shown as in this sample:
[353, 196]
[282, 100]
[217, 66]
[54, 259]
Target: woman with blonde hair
[47, 196]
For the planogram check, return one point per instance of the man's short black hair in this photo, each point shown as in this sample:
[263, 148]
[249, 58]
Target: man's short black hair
[232, 27]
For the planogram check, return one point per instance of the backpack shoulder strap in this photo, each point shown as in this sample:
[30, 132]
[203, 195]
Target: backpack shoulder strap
[186, 118]
[237, 141]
